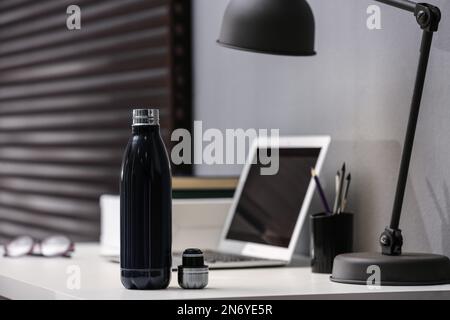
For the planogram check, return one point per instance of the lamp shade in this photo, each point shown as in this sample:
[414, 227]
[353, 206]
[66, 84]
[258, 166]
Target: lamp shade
[282, 27]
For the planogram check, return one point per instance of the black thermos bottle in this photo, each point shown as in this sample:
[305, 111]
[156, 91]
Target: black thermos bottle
[145, 206]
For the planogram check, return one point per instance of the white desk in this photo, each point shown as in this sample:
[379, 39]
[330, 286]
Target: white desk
[38, 278]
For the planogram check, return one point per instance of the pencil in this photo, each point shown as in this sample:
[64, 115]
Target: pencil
[320, 190]
[347, 188]
[336, 200]
[341, 187]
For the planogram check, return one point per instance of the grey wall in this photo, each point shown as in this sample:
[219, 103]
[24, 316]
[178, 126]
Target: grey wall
[357, 89]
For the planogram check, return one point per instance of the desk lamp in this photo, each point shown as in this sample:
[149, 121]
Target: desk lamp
[287, 28]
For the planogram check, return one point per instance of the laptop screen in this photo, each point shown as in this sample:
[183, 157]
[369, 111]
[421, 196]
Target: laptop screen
[269, 206]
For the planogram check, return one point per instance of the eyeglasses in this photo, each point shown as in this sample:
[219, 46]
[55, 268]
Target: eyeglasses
[54, 246]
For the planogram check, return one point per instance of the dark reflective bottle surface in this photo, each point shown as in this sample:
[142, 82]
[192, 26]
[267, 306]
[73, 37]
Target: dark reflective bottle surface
[145, 207]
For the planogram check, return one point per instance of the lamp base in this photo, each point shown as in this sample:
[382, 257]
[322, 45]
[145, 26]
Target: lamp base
[408, 269]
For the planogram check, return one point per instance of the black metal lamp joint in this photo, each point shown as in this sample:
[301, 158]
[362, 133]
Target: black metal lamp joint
[391, 242]
[428, 16]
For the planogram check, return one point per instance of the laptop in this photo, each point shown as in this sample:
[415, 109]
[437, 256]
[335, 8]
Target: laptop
[268, 211]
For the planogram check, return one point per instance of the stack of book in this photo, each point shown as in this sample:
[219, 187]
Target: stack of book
[203, 187]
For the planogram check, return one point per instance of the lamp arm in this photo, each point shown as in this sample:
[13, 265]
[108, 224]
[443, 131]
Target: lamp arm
[428, 18]
[401, 4]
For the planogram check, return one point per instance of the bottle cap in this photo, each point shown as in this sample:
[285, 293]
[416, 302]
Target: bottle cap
[145, 117]
[193, 274]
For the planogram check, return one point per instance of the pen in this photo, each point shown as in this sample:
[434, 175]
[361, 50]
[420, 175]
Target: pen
[320, 190]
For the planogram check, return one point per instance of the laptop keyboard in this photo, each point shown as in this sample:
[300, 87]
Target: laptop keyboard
[214, 259]
[214, 256]
[218, 257]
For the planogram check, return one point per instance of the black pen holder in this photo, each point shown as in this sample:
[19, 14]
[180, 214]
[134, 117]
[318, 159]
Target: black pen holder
[331, 235]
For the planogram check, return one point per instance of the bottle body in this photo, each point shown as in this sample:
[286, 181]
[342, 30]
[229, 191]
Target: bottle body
[146, 211]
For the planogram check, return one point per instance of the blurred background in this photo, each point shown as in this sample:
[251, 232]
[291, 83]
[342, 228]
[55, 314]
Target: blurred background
[66, 99]
[66, 96]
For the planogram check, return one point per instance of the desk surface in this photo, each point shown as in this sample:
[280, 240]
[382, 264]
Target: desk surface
[39, 278]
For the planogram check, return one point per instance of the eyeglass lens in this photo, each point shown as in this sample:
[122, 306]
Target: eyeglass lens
[19, 247]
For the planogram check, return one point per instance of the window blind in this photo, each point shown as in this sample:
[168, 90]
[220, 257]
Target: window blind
[66, 99]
